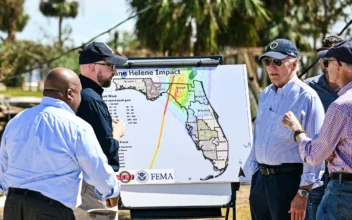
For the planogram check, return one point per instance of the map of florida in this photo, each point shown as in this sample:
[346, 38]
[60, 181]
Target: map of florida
[202, 121]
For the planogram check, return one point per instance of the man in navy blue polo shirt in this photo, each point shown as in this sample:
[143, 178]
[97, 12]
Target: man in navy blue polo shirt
[327, 92]
[98, 66]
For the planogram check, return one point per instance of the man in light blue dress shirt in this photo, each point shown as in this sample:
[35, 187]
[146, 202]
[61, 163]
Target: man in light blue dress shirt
[281, 181]
[46, 151]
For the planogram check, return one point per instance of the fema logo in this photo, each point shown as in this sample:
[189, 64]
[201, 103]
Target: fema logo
[142, 176]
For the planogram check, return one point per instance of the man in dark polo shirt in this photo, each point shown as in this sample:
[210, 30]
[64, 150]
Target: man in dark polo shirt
[327, 92]
[98, 66]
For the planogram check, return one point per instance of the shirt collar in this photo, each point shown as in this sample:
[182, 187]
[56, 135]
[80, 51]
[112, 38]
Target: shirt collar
[56, 103]
[322, 81]
[344, 89]
[286, 88]
[88, 83]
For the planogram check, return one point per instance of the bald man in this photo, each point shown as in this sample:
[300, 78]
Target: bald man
[46, 151]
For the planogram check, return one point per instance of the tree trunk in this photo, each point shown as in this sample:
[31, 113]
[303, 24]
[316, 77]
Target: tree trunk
[254, 89]
[30, 80]
[264, 80]
[60, 29]
[253, 105]
[11, 32]
[252, 75]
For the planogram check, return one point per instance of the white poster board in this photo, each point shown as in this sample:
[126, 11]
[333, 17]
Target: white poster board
[188, 133]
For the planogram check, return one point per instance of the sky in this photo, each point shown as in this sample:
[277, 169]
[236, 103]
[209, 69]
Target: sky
[94, 17]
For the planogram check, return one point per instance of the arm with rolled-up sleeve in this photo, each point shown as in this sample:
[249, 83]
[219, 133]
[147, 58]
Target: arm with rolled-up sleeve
[312, 123]
[94, 164]
[336, 124]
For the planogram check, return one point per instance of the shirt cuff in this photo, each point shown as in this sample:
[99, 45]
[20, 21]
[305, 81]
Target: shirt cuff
[312, 178]
[114, 192]
[302, 147]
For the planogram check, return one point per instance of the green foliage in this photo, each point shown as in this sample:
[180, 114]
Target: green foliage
[246, 19]
[59, 8]
[20, 56]
[123, 43]
[299, 20]
[14, 81]
[70, 60]
[12, 17]
[199, 27]
[186, 27]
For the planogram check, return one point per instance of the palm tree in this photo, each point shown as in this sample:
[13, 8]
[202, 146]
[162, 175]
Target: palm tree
[195, 27]
[246, 19]
[299, 20]
[12, 17]
[59, 8]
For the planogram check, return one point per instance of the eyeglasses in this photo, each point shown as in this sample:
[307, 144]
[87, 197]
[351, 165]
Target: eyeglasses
[112, 66]
[277, 62]
[326, 62]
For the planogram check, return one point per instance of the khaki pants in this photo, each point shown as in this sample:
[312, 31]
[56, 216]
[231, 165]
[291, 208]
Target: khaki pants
[93, 207]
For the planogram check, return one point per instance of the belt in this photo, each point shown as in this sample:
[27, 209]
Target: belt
[341, 176]
[277, 169]
[33, 194]
[25, 192]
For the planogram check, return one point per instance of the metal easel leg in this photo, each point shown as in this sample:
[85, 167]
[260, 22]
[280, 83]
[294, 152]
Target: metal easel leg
[227, 214]
[234, 188]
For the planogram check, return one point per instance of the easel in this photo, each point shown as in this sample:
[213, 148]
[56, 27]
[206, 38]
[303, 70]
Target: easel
[184, 212]
[181, 212]
[234, 188]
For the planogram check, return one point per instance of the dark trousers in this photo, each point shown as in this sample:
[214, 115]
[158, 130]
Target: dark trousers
[22, 204]
[271, 195]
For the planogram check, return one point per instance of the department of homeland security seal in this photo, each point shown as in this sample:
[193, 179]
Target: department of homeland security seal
[142, 176]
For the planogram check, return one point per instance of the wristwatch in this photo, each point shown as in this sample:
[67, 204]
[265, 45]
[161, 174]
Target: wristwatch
[300, 131]
[303, 192]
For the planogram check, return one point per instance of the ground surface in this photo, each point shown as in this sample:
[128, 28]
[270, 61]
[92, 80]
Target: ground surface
[242, 206]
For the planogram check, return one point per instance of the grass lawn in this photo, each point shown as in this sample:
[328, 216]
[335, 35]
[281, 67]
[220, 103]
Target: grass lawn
[10, 92]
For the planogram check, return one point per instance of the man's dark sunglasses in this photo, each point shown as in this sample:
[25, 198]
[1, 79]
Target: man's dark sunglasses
[277, 62]
[107, 64]
[326, 62]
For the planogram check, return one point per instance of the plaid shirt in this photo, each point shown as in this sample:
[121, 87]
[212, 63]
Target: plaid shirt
[335, 136]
